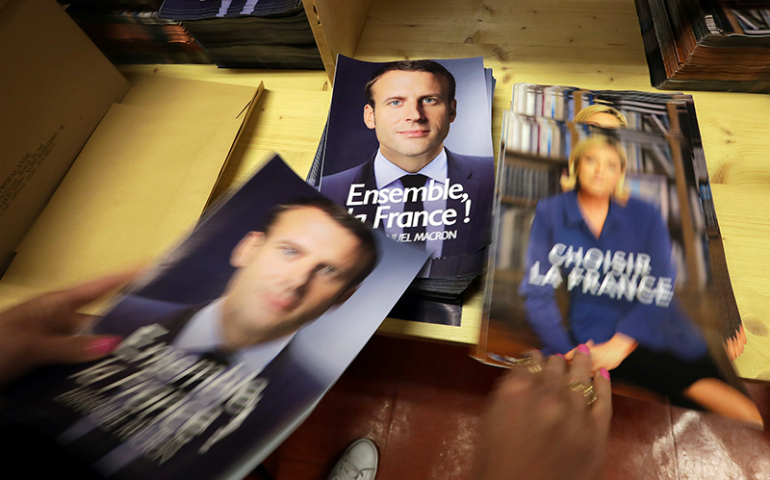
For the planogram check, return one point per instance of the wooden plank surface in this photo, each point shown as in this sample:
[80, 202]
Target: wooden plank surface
[592, 44]
[589, 43]
[744, 218]
[598, 45]
[290, 120]
[337, 26]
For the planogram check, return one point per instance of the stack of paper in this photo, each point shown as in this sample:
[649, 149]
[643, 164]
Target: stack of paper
[50, 106]
[129, 31]
[185, 10]
[250, 398]
[719, 45]
[665, 167]
[248, 33]
[142, 180]
[621, 256]
[412, 126]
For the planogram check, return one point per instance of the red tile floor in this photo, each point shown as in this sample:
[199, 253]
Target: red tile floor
[421, 403]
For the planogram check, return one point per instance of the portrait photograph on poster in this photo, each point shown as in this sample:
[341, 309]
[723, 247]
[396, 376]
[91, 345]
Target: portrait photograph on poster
[228, 342]
[408, 150]
[544, 115]
[602, 239]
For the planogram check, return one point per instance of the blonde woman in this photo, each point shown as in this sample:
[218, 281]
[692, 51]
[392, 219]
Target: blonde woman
[614, 254]
[601, 116]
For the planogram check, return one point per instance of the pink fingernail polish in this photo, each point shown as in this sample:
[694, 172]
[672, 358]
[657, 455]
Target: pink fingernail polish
[104, 345]
[604, 373]
[583, 348]
[560, 355]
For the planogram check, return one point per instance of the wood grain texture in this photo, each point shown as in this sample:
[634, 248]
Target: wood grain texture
[289, 119]
[337, 26]
[594, 44]
[598, 45]
[744, 219]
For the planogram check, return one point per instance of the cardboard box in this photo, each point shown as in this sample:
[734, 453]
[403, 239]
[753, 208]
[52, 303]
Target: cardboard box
[56, 87]
[142, 179]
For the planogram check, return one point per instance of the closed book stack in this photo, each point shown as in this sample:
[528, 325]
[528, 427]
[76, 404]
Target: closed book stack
[721, 45]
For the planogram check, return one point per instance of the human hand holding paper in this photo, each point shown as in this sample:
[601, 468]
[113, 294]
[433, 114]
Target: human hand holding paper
[45, 330]
[542, 422]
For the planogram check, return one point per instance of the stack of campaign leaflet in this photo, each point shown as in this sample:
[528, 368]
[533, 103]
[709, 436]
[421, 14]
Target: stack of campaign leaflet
[249, 33]
[652, 269]
[721, 45]
[393, 124]
[224, 8]
[129, 31]
[228, 343]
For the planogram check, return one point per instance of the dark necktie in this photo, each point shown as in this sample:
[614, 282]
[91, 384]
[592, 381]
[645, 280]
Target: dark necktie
[217, 356]
[216, 360]
[416, 231]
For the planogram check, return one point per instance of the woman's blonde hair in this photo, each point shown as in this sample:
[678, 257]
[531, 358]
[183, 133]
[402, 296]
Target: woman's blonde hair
[570, 182]
[582, 115]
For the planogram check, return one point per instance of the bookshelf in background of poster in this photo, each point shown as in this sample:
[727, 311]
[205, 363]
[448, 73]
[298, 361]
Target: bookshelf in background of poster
[668, 172]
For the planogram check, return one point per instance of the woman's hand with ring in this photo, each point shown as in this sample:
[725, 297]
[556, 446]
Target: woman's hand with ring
[539, 427]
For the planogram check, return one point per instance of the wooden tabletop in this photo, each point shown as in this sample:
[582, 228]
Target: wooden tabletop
[591, 44]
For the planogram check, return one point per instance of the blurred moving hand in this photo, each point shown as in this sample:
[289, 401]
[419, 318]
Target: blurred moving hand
[735, 345]
[540, 423]
[46, 329]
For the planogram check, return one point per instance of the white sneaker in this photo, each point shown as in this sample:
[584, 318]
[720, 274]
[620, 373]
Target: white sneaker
[359, 462]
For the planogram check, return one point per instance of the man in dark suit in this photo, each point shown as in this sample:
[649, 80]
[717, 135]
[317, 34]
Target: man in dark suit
[310, 256]
[412, 187]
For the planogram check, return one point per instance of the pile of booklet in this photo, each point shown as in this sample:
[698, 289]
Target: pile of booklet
[184, 10]
[249, 33]
[225, 350]
[407, 149]
[129, 31]
[707, 44]
[227, 345]
[240, 33]
[605, 234]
